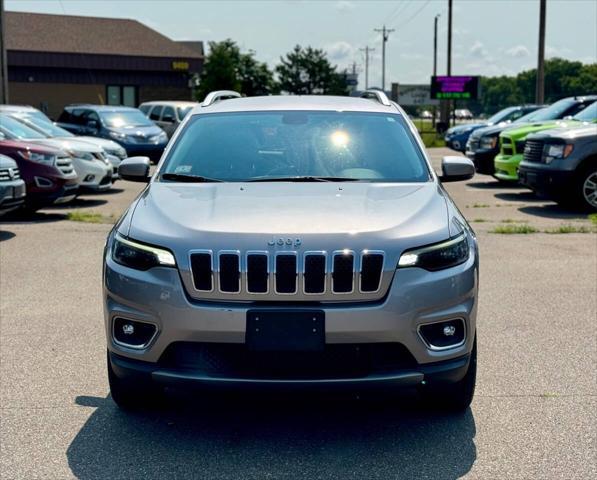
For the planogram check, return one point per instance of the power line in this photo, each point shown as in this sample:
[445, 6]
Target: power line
[399, 9]
[385, 34]
[415, 14]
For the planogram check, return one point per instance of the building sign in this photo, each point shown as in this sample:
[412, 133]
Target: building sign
[180, 65]
[410, 95]
[455, 88]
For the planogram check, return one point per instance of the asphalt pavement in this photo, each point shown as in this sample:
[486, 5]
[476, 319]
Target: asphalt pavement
[533, 415]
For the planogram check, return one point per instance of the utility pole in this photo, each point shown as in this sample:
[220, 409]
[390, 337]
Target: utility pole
[540, 87]
[385, 34]
[3, 66]
[434, 61]
[446, 104]
[367, 50]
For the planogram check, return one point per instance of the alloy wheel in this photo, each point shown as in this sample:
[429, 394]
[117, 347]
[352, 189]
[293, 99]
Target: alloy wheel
[589, 189]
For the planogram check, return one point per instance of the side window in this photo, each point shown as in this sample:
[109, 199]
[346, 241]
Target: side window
[145, 108]
[168, 114]
[65, 117]
[77, 116]
[156, 112]
[516, 115]
[91, 115]
[579, 107]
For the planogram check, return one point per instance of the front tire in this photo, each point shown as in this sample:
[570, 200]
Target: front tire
[456, 397]
[131, 394]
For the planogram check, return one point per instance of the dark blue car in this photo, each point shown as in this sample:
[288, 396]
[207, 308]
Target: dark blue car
[125, 125]
[456, 137]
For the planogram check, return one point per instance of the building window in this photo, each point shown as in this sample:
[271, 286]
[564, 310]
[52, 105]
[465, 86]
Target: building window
[122, 95]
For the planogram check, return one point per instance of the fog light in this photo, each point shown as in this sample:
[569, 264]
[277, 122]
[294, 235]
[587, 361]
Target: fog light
[449, 330]
[129, 329]
[89, 178]
[443, 335]
[132, 334]
[43, 182]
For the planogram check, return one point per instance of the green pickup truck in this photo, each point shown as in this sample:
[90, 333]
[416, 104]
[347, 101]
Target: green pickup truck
[563, 113]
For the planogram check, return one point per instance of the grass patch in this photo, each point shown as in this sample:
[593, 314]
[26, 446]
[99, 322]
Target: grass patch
[479, 220]
[480, 205]
[512, 229]
[431, 140]
[569, 229]
[89, 217]
[511, 220]
[593, 218]
[548, 395]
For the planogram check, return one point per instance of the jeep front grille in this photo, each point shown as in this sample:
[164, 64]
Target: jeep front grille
[312, 275]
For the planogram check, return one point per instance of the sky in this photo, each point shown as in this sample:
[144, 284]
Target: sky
[490, 37]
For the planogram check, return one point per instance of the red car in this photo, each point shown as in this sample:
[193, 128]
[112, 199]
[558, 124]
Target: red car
[48, 173]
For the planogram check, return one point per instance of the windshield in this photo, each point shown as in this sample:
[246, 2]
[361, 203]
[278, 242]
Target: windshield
[14, 129]
[43, 126]
[277, 144]
[182, 112]
[589, 114]
[554, 111]
[502, 115]
[125, 118]
[530, 117]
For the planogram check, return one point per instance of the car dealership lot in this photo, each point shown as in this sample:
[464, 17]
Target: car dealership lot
[531, 417]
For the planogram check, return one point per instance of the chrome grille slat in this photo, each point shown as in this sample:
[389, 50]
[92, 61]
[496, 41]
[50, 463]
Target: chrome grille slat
[312, 275]
[533, 151]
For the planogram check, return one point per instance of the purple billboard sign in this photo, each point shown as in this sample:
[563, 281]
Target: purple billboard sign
[455, 87]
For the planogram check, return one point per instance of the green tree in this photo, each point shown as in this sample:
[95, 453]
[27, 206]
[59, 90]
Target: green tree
[227, 68]
[305, 71]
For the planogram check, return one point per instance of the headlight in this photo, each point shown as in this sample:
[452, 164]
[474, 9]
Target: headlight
[117, 135]
[488, 142]
[139, 256]
[81, 155]
[438, 256]
[38, 157]
[553, 152]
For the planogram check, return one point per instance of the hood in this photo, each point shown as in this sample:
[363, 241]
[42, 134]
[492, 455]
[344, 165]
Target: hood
[193, 215]
[467, 127]
[523, 130]
[490, 130]
[137, 131]
[68, 144]
[107, 145]
[7, 162]
[13, 145]
[571, 132]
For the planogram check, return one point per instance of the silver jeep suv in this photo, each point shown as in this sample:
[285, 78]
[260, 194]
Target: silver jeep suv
[293, 242]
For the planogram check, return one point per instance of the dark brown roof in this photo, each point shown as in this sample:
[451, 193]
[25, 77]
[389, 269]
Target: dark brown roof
[196, 46]
[75, 34]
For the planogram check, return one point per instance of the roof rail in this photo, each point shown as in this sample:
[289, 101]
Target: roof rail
[218, 95]
[378, 96]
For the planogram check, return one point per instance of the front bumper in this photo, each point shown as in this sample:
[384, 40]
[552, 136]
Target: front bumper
[483, 160]
[12, 195]
[415, 297]
[449, 371]
[546, 179]
[506, 167]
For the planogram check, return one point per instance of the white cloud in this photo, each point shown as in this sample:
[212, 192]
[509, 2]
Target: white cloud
[344, 6]
[518, 51]
[478, 50]
[340, 52]
[552, 51]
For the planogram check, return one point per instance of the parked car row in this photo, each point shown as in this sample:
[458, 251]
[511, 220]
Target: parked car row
[81, 151]
[551, 149]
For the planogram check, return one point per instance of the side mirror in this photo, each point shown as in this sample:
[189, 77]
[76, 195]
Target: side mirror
[134, 169]
[455, 169]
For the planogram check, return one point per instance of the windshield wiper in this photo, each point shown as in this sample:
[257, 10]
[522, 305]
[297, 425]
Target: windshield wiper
[304, 179]
[181, 177]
